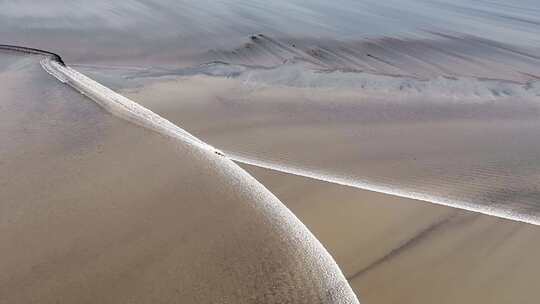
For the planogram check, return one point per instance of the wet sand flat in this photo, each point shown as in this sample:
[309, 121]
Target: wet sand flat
[396, 250]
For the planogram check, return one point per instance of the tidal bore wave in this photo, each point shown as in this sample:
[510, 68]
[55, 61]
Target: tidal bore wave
[135, 113]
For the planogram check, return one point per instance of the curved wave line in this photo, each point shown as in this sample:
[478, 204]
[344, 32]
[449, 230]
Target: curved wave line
[387, 189]
[119, 105]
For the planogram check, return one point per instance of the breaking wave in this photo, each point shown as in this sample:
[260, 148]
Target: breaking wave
[290, 75]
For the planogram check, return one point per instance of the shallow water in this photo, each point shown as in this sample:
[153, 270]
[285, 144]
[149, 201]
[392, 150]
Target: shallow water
[169, 32]
[96, 209]
[465, 142]
[398, 250]
[436, 100]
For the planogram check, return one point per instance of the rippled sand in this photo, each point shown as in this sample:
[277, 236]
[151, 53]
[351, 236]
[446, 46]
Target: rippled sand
[96, 209]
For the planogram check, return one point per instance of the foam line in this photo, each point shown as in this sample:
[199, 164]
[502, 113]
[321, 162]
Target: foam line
[386, 189]
[119, 105]
[315, 275]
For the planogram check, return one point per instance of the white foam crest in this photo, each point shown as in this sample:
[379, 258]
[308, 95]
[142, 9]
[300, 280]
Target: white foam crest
[119, 105]
[386, 189]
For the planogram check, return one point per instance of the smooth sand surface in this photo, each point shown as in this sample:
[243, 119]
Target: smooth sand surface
[94, 209]
[396, 250]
